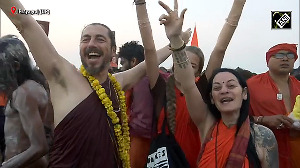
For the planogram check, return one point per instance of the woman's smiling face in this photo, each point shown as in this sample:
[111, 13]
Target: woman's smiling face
[227, 93]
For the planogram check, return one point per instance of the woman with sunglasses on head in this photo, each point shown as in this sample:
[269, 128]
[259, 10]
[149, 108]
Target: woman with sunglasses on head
[228, 137]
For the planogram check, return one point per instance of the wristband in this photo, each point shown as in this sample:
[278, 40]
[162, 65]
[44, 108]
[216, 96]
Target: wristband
[137, 2]
[177, 49]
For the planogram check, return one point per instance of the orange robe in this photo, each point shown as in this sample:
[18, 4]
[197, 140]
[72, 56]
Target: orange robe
[225, 140]
[186, 132]
[263, 102]
[3, 99]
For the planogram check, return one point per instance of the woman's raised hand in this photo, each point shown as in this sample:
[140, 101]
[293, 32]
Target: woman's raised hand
[173, 23]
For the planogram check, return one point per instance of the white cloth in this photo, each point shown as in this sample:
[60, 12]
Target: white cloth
[296, 123]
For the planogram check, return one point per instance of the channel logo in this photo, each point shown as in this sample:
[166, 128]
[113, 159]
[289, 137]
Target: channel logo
[281, 19]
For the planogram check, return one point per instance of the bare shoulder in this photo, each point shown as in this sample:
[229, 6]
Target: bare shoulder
[67, 91]
[266, 145]
[34, 89]
[31, 91]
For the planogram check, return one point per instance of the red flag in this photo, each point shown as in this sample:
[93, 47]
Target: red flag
[195, 38]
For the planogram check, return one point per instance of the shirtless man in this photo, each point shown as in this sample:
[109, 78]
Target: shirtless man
[25, 138]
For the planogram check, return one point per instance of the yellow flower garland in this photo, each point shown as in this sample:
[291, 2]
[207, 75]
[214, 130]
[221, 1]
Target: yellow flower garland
[121, 132]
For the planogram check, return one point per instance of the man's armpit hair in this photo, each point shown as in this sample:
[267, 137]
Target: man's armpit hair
[58, 78]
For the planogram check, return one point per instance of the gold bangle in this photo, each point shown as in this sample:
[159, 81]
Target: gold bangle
[177, 49]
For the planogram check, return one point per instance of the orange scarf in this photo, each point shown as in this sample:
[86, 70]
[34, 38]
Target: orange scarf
[232, 149]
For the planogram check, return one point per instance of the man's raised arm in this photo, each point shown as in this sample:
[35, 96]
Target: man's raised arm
[40, 46]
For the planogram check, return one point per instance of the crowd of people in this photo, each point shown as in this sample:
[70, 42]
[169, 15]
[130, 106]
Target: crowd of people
[55, 115]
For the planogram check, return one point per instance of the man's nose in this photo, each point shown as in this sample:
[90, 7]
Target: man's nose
[92, 43]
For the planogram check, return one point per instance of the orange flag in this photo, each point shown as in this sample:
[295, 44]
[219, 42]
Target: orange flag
[194, 41]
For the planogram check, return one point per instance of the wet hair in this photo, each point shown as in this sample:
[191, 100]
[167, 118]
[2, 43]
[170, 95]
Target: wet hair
[15, 64]
[244, 113]
[7, 75]
[170, 89]
[132, 50]
[111, 34]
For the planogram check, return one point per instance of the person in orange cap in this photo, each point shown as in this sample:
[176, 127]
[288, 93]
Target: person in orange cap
[273, 96]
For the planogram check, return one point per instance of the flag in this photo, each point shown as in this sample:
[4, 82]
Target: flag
[194, 41]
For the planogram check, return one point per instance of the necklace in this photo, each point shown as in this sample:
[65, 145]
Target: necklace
[121, 131]
[115, 110]
[216, 146]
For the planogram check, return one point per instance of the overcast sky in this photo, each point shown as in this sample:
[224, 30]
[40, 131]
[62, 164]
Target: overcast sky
[247, 48]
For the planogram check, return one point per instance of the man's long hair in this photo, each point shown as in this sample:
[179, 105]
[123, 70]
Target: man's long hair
[15, 64]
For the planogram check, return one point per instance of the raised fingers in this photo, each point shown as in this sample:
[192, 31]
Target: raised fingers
[189, 31]
[175, 5]
[186, 35]
[166, 7]
[182, 13]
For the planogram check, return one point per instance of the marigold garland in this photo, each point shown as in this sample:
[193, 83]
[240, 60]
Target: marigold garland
[121, 132]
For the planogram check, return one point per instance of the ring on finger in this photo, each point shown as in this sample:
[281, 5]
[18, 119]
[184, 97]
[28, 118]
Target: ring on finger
[280, 126]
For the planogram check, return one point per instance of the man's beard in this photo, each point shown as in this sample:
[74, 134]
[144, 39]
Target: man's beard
[96, 70]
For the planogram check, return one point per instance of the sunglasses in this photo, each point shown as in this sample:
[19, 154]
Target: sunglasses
[281, 55]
